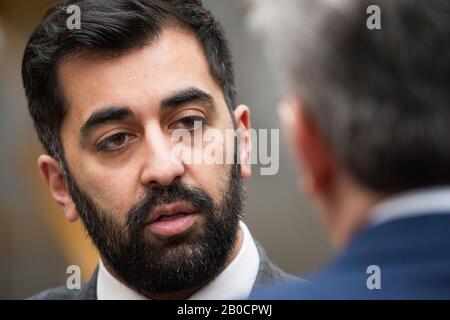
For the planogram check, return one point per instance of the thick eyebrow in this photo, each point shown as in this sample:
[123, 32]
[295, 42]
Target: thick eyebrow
[113, 113]
[101, 117]
[188, 95]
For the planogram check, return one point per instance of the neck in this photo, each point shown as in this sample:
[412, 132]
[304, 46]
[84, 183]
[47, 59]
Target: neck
[348, 210]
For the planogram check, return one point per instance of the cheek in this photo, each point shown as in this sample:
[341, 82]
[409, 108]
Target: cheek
[211, 178]
[114, 191]
[212, 173]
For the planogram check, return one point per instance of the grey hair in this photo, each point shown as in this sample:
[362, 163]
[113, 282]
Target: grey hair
[380, 97]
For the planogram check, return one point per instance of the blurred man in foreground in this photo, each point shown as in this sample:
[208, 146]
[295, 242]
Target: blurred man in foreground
[368, 113]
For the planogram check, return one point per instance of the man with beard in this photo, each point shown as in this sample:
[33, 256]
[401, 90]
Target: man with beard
[106, 99]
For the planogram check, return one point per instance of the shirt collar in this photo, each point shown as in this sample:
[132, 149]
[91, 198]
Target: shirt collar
[234, 282]
[410, 204]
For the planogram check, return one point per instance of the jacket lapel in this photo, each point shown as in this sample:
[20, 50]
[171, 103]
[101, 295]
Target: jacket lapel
[89, 290]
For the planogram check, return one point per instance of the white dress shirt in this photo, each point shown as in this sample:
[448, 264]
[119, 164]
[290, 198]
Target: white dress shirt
[410, 204]
[234, 282]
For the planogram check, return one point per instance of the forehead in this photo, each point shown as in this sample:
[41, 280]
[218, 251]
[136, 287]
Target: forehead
[139, 79]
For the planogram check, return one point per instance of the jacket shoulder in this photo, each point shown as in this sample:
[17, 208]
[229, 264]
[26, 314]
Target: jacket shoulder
[269, 274]
[60, 293]
[88, 291]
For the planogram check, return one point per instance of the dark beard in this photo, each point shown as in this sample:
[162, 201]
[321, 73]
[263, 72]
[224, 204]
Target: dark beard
[158, 267]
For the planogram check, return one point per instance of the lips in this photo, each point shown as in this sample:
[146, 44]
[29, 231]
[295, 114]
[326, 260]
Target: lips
[171, 219]
[170, 210]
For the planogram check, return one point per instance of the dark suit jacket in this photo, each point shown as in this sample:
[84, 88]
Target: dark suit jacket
[268, 274]
[413, 255]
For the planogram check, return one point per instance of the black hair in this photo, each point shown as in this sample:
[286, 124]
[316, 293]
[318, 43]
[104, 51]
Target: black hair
[110, 27]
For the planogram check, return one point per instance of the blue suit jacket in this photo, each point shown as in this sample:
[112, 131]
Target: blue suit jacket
[413, 255]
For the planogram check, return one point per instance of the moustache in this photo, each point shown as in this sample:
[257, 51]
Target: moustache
[197, 199]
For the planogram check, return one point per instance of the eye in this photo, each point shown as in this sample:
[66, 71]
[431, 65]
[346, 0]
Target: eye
[191, 123]
[114, 142]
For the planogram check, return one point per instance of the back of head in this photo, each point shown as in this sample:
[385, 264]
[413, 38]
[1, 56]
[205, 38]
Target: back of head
[380, 97]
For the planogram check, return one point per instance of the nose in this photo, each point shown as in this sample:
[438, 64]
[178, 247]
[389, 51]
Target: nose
[161, 168]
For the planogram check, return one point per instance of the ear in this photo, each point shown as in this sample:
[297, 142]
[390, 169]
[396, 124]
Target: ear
[52, 174]
[316, 160]
[242, 118]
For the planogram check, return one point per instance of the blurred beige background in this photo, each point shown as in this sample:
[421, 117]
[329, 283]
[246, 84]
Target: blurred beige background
[37, 244]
